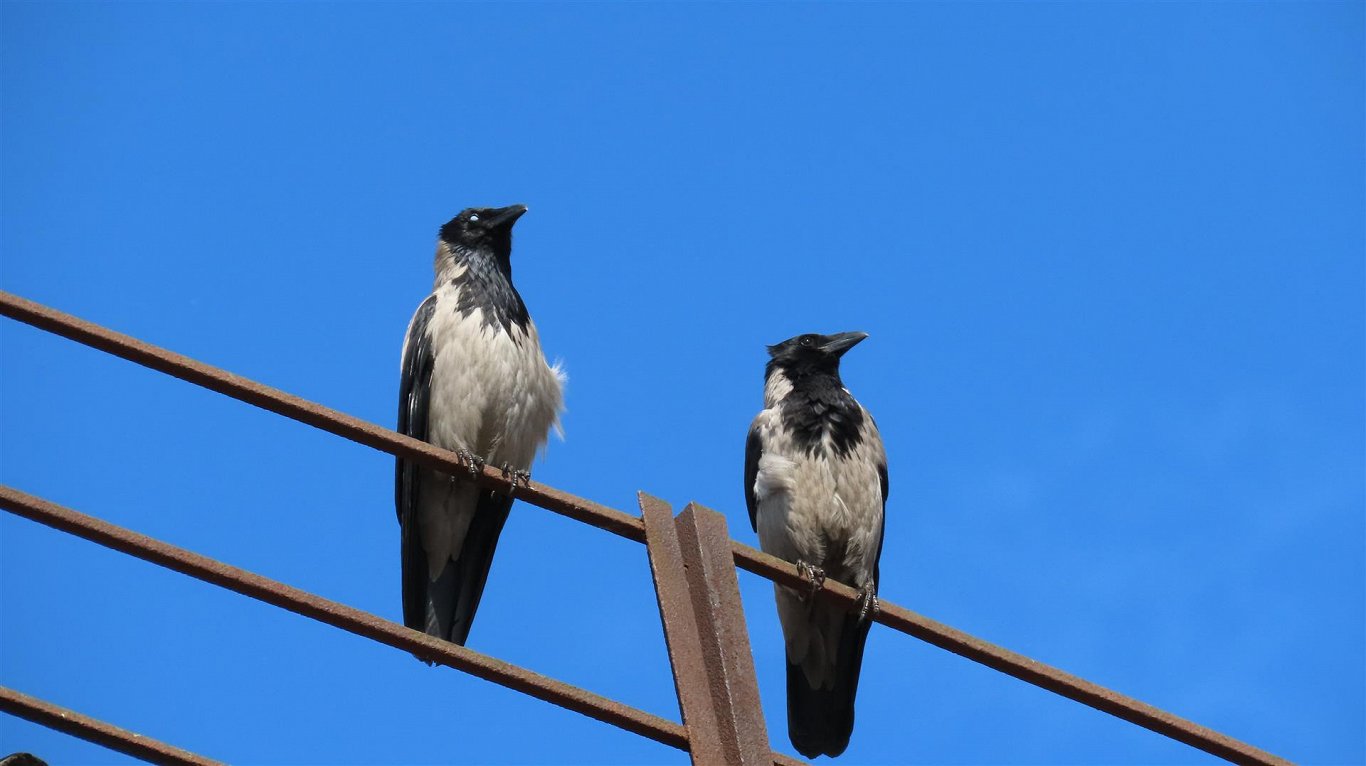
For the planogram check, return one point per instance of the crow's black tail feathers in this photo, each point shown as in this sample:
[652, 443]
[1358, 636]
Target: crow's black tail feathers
[819, 721]
[447, 604]
[476, 556]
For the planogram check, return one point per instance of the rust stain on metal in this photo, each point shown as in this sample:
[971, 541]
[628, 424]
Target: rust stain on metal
[705, 545]
[97, 731]
[1031, 671]
[681, 635]
[627, 526]
[345, 617]
[313, 414]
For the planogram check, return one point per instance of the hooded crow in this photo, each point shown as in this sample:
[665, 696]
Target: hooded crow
[474, 381]
[816, 487]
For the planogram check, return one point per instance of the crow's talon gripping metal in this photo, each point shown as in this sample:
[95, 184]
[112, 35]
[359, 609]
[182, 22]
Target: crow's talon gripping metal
[513, 476]
[472, 461]
[813, 573]
[868, 603]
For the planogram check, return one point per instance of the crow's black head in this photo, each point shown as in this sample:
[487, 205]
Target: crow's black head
[483, 229]
[812, 354]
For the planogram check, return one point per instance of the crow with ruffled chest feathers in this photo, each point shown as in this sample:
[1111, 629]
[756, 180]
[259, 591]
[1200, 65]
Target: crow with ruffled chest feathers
[473, 381]
[816, 489]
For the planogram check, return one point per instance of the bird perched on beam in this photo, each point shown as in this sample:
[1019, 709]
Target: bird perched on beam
[474, 381]
[816, 487]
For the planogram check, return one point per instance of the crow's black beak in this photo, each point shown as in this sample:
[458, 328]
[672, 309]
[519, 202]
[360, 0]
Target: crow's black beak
[842, 342]
[505, 216]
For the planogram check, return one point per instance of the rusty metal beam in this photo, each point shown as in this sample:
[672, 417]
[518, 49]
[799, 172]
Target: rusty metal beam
[720, 617]
[681, 635]
[311, 413]
[705, 680]
[97, 731]
[627, 526]
[1013, 664]
[342, 616]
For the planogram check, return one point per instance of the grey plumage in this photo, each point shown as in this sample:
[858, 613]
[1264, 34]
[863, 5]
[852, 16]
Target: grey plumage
[816, 489]
[473, 381]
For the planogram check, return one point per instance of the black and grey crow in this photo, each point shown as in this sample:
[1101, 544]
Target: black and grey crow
[816, 487]
[473, 381]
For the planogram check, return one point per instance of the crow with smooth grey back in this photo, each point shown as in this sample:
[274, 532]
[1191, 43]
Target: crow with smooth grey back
[473, 381]
[816, 488]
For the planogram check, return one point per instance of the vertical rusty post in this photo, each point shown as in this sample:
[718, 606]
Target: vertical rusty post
[720, 617]
[680, 633]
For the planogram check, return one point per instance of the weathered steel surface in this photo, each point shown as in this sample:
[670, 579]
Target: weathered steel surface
[628, 526]
[97, 731]
[342, 616]
[311, 413]
[681, 635]
[1017, 665]
[726, 651]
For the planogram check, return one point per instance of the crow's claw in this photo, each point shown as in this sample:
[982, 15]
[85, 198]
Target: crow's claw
[868, 603]
[513, 476]
[472, 461]
[813, 573]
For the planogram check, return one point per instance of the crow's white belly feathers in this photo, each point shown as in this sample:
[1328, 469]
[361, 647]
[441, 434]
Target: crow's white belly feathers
[492, 391]
[825, 510]
[812, 506]
[493, 394]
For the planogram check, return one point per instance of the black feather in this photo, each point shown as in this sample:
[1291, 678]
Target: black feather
[818, 406]
[485, 286]
[753, 450]
[454, 595]
[471, 569]
[818, 411]
[486, 253]
[820, 721]
[882, 480]
[414, 397]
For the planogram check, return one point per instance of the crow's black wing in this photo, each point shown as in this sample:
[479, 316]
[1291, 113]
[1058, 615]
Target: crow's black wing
[882, 529]
[414, 396]
[753, 449]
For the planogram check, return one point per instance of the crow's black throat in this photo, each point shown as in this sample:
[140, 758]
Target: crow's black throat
[819, 406]
[486, 284]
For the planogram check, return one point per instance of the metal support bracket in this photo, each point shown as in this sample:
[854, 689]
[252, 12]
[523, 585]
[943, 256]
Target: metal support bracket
[704, 627]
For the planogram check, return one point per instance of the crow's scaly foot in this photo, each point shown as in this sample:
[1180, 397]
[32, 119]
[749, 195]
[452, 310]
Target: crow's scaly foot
[868, 603]
[813, 573]
[472, 461]
[513, 476]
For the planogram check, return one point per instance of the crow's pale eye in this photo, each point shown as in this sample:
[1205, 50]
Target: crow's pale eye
[473, 217]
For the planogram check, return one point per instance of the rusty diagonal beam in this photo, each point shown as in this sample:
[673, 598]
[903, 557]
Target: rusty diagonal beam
[709, 567]
[704, 629]
[999, 658]
[342, 616]
[311, 413]
[681, 636]
[631, 527]
[346, 618]
[93, 730]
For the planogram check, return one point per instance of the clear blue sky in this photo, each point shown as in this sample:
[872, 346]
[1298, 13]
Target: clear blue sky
[1110, 257]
